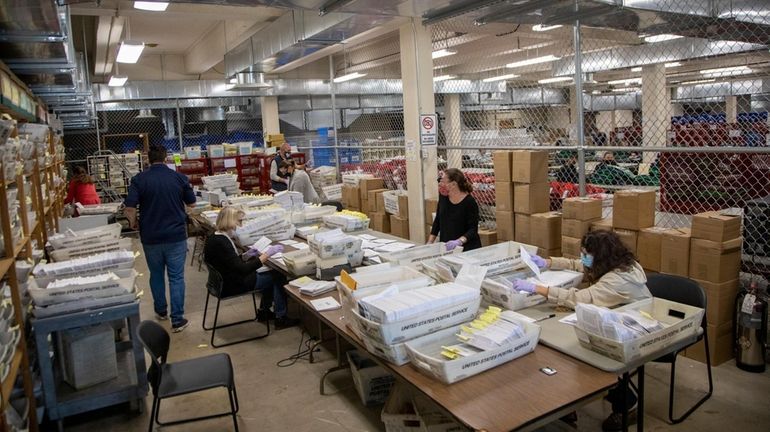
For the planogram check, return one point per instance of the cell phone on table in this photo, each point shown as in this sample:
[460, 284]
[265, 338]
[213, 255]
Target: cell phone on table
[548, 371]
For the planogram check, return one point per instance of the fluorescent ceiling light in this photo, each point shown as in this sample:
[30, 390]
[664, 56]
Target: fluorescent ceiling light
[117, 81]
[542, 28]
[596, 92]
[444, 78]
[129, 52]
[348, 77]
[636, 69]
[442, 53]
[151, 6]
[532, 61]
[625, 90]
[703, 81]
[554, 80]
[233, 80]
[726, 71]
[661, 38]
[672, 64]
[627, 81]
[501, 78]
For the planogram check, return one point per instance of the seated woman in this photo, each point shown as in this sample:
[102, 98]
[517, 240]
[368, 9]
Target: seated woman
[299, 181]
[242, 273]
[615, 277]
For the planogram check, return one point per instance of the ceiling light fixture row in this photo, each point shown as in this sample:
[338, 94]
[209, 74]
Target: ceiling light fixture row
[152, 6]
[444, 78]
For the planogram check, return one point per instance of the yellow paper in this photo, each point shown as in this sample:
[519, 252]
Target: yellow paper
[177, 159]
[348, 281]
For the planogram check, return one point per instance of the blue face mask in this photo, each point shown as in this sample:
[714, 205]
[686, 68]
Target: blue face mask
[587, 260]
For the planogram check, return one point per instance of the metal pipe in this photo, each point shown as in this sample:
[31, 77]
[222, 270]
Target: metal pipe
[334, 118]
[748, 150]
[179, 125]
[579, 107]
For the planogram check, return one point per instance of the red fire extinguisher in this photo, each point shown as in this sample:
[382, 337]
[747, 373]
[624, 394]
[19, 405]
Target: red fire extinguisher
[750, 329]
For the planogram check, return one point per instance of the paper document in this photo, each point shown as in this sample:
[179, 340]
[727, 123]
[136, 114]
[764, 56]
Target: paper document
[570, 319]
[367, 237]
[325, 304]
[384, 241]
[526, 258]
[471, 276]
[288, 242]
[300, 246]
[262, 244]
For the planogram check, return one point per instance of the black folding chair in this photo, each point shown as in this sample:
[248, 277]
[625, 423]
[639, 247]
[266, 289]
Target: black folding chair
[214, 289]
[184, 377]
[686, 291]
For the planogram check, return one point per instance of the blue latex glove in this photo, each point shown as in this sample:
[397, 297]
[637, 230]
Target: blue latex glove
[451, 244]
[274, 249]
[539, 262]
[522, 285]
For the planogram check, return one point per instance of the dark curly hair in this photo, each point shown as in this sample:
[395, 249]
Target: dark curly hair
[609, 253]
[457, 176]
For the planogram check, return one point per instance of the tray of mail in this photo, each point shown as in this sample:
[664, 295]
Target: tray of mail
[406, 315]
[333, 243]
[77, 251]
[79, 238]
[416, 255]
[83, 305]
[355, 286]
[444, 357]
[640, 329]
[84, 266]
[108, 284]
[499, 258]
[347, 221]
[396, 353]
[95, 209]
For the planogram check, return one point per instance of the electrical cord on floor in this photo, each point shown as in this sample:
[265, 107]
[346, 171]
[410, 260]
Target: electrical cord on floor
[301, 354]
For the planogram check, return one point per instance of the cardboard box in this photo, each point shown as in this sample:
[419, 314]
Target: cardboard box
[399, 227]
[715, 261]
[403, 206]
[720, 301]
[581, 208]
[431, 205]
[546, 230]
[715, 226]
[529, 166]
[488, 238]
[367, 184]
[675, 252]
[523, 232]
[380, 203]
[570, 247]
[504, 196]
[380, 221]
[546, 253]
[633, 209]
[363, 206]
[505, 225]
[371, 198]
[628, 238]
[575, 228]
[351, 197]
[720, 345]
[648, 247]
[602, 224]
[502, 163]
[531, 198]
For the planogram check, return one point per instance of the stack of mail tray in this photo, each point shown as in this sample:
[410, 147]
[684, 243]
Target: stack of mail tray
[274, 225]
[416, 255]
[499, 258]
[498, 290]
[72, 238]
[334, 244]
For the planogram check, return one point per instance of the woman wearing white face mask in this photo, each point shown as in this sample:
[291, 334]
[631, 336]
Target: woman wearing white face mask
[457, 215]
[611, 269]
[616, 278]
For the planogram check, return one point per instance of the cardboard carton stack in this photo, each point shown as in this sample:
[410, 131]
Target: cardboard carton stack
[577, 216]
[379, 218]
[364, 186]
[649, 246]
[395, 205]
[715, 261]
[633, 210]
[531, 195]
[675, 252]
[546, 233]
[503, 195]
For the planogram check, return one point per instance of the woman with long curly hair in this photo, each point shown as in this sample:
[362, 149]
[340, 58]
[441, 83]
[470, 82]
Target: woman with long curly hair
[615, 277]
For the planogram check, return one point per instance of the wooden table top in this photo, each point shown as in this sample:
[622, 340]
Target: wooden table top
[512, 396]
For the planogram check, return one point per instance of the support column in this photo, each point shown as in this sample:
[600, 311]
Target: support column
[731, 109]
[656, 106]
[417, 78]
[573, 115]
[270, 120]
[453, 130]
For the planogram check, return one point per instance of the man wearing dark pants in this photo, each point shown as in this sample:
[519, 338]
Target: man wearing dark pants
[161, 194]
[279, 181]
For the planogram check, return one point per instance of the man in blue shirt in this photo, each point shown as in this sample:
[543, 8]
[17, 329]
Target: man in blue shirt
[161, 194]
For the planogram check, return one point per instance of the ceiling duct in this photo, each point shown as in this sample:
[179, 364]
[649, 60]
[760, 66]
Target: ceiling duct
[145, 114]
[294, 35]
[249, 81]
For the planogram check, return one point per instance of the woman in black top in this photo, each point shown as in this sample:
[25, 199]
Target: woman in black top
[239, 271]
[457, 216]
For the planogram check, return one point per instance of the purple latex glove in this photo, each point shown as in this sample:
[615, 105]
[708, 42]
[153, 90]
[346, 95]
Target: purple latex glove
[539, 262]
[274, 249]
[522, 285]
[251, 253]
[451, 244]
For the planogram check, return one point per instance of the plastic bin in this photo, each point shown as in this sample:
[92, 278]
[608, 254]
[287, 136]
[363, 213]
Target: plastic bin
[90, 249]
[373, 382]
[395, 353]
[407, 411]
[499, 291]
[498, 258]
[374, 282]
[300, 262]
[346, 223]
[88, 355]
[48, 296]
[415, 255]
[425, 354]
[680, 321]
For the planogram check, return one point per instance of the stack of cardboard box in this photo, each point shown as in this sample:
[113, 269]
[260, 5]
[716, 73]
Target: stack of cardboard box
[275, 140]
[648, 247]
[633, 210]
[715, 261]
[675, 252]
[577, 216]
[503, 195]
[546, 233]
[379, 219]
[531, 195]
[364, 187]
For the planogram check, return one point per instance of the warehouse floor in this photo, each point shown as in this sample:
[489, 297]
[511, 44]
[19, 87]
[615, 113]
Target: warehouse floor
[277, 399]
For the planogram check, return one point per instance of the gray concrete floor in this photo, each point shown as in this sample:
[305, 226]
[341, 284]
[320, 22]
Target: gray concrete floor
[277, 399]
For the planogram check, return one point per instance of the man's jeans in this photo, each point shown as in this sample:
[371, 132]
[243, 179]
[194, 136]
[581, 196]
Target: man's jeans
[167, 258]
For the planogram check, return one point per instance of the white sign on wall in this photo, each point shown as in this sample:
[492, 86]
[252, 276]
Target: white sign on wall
[428, 129]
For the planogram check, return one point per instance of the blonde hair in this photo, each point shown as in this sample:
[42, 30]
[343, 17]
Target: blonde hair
[229, 218]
